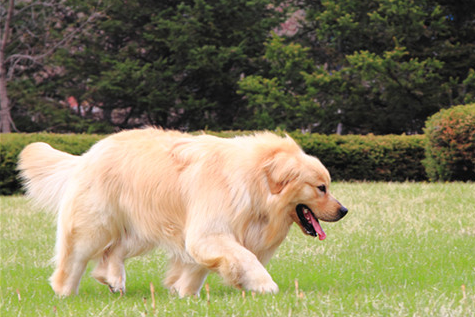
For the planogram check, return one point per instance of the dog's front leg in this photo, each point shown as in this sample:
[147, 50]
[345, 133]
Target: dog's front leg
[237, 265]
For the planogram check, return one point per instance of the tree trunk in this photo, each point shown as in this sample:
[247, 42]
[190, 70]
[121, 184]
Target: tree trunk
[5, 117]
[6, 121]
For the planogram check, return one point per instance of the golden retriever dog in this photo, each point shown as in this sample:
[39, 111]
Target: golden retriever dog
[215, 204]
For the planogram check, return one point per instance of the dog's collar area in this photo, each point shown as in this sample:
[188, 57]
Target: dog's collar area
[309, 222]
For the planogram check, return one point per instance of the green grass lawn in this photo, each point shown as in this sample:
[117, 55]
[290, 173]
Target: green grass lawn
[405, 249]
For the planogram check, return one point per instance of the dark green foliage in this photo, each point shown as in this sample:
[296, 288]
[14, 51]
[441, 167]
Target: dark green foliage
[378, 66]
[170, 64]
[352, 157]
[35, 109]
[450, 149]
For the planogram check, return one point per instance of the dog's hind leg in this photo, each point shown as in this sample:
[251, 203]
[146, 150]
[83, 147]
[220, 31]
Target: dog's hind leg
[185, 278]
[110, 269]
[73, 253]
[79, 239]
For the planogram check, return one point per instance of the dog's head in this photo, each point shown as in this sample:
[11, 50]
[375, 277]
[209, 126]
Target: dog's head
[302, 184]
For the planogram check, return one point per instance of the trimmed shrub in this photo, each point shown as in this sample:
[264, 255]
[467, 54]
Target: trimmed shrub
[450, 148]
[369, 157]
[350, 157]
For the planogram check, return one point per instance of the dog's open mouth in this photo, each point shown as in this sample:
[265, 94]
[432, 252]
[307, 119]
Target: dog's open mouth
[309, 222]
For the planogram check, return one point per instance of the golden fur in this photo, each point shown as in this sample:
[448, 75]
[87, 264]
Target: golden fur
[214, 204]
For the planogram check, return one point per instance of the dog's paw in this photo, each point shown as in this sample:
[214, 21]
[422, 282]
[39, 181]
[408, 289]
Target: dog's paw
[115, 289]
[260, 281]
[116, 285]
[268, 287]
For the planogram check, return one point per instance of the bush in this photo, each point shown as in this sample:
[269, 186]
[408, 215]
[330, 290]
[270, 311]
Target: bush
[372, 158]
[12, 144]
[450, 148]
[351, 157]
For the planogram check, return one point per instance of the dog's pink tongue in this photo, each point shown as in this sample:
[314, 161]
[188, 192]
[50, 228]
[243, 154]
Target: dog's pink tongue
[318, 229]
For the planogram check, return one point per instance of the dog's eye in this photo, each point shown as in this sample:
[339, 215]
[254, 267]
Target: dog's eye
[322, 188]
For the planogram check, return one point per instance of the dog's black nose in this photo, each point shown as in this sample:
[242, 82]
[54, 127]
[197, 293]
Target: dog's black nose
[343, 211]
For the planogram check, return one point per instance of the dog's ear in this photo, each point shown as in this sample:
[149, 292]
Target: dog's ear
[281, 169]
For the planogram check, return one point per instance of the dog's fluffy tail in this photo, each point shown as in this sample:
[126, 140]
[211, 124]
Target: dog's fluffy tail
[45, 173]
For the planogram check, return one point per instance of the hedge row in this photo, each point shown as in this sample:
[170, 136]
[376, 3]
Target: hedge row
[375, 158]
[352, 157]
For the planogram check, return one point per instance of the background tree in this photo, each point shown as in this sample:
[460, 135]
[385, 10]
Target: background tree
[6, 121]
[32, 31]
[171, 64]
[280, 101]
[381, 66]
